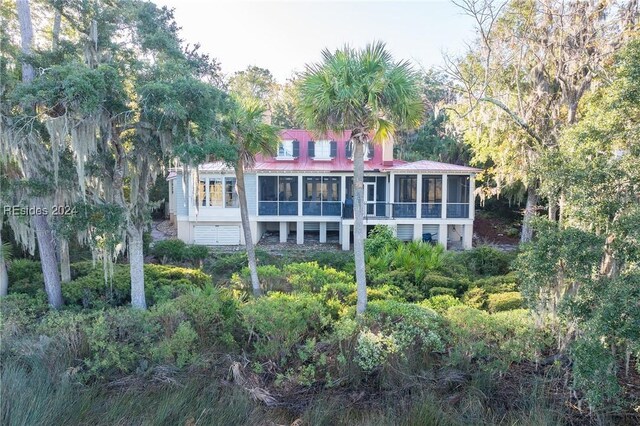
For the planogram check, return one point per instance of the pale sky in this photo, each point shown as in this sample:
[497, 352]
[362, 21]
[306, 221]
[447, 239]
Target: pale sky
[283, 36]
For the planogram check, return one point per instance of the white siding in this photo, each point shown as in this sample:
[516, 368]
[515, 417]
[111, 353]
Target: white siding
[251, 188]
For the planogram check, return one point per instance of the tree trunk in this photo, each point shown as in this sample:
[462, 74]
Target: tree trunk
[553, 208]
[48, 261]
[55, 32]
[65, 262]
[4, 276]
[358, 223]
[26, 37]
[529, 212]
[136, 267]
[246, 228]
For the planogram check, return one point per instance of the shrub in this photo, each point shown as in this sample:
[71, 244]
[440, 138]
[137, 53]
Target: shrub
[391, 328]
[224, 264]
[162, 282]
[175, 250]
[505, 301]
[310, 276]
[501, 338]
[18, 312]
[25, 276]
[439, 291]
[379, 239]
[178, 348]
[487, 261]
[169, 250]
[271, 279]
[476, 298]
[333, 259]
[498, 284]
[440, 303]
[458, 285]
[279, 321]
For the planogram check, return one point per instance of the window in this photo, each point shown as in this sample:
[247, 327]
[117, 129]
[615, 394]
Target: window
[230, 193]
[405, 188]
[331, 188]
[215, 192]
[268, 185]
[287, 149]
[322, 149]
[312, 188]
[202, 193]
[431, 189]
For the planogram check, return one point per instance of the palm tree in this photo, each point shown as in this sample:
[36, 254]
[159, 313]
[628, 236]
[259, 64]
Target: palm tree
[244, 127]
[366, 92]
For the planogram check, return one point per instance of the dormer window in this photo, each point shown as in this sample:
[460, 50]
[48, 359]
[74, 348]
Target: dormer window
[322, 150]
[288, 150]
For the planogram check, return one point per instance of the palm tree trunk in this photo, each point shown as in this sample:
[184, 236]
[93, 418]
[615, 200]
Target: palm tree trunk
[136, 267]
[529, 212]
[48, 261]
[358, 224]
[246, 228]
[65, 262]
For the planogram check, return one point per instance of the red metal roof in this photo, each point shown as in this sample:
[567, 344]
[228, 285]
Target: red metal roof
[339, 164]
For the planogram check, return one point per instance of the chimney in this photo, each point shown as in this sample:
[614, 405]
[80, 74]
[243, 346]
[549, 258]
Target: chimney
[387, 152]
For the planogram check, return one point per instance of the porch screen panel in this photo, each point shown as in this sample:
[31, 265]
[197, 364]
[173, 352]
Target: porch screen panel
[202, 193]
[458, 196]
[267, 195]
[288, 195]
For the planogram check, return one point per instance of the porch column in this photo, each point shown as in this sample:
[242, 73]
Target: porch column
[284, 231]
[323, 232]
[391, 193]
[467, 236]
[343, 189]
[345, 237]
[300, 195]
[445, 190]
[300, 232]
[472, 197]
[442, 234]
[418, 198]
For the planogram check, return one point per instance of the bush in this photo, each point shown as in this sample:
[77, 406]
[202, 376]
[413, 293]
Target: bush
[175, 250]
[440, 303]
[498, 284]
[279, 321]
[169, 250]
[333, 259]
[271, 279]
[458, 285]
[379, 239]
[19, 311]
[439, 291]
[476, 298]
[161, 283]
[399, 330]
[501, 338]
[310, 277]
[25, 276]
[223, 265]
[505, 301]
[487, 261]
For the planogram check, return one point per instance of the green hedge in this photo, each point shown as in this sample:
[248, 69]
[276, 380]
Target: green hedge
[505, 301]
[175, 250]
[25, 276]
[439, 291]
[498, 284]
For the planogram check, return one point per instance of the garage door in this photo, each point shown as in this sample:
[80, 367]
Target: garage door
[216, 235]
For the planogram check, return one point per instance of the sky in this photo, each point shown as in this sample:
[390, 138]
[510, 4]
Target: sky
[283, 36]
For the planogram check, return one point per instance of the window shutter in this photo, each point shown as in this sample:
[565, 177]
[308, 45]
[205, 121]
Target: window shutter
[348, 149]
[311, 150]
[334, 149]
[296, 148]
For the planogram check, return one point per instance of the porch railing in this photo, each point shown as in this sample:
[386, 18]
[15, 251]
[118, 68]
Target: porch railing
[382, 210]
[457, 210]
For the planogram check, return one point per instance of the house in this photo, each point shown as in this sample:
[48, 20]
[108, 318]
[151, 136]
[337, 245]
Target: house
[307, 188]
